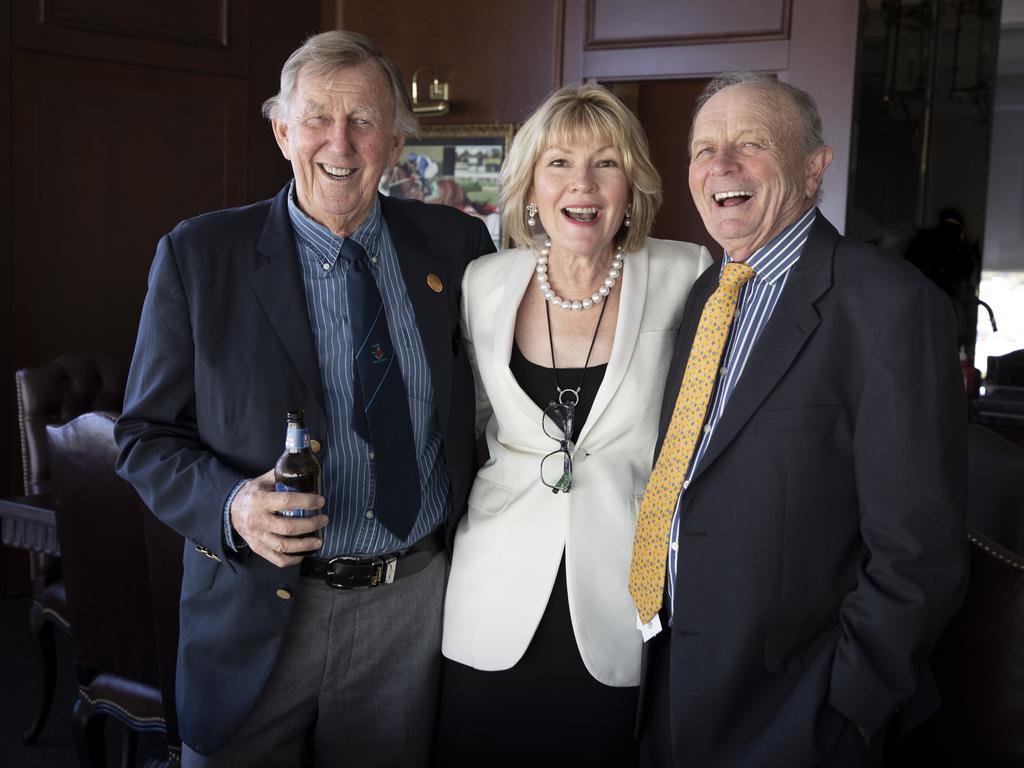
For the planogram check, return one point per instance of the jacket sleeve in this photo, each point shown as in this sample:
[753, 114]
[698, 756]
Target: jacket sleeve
[161, 452]
[910, 461]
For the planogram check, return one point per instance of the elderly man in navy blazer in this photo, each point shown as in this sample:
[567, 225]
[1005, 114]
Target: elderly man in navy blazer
[315, 635]
[814, 545]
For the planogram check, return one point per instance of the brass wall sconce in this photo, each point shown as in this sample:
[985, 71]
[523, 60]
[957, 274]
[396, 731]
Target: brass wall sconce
[437, 102]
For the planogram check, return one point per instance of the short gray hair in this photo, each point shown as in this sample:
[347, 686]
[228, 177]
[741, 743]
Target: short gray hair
[802, 103]
[328, 52]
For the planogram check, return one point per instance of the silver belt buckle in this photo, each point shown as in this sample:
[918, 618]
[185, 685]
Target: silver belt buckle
[389, 570]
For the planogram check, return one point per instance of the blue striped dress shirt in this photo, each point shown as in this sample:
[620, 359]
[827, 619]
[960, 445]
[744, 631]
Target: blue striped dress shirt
[771, 264]
[347, 460]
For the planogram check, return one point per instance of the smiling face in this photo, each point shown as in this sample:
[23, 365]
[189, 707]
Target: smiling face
[339, 136]
[749, 175]
[580, 190]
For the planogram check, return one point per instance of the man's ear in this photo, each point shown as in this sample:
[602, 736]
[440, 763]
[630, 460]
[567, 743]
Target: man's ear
[280, 128]
[396, 150]
[817, 161]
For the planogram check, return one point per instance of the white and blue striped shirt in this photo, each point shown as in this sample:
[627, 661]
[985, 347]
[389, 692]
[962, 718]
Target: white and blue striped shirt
[771, 264]
[347, 460]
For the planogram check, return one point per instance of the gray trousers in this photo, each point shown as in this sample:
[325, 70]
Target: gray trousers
[360, 669]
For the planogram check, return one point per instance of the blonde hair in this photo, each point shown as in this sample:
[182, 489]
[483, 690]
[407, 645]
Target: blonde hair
[570, 114]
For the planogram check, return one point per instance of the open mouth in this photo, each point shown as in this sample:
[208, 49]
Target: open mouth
[730, 199]
[333, 172]
[581, 215]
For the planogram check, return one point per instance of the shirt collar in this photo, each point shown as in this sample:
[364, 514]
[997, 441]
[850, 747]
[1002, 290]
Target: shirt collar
[774, 259]
[325, 244]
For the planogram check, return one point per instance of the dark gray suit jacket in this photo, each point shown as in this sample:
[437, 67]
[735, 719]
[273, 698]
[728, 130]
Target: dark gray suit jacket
[225, 348]
[822, 545]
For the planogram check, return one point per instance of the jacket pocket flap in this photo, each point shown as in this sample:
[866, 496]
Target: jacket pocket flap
[489, 497]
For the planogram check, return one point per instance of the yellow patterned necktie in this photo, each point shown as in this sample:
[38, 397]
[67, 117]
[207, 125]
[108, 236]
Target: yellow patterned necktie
[650, 546]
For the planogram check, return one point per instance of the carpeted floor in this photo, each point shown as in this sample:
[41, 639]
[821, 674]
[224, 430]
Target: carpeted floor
[18, 696]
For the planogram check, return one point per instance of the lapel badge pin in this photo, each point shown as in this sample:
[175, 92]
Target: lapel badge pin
[435, 283]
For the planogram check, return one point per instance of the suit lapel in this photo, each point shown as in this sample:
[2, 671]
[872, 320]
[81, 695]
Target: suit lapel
[424, 273]
[792, 323]
[627, 331]
[278, 287]
[520, 275]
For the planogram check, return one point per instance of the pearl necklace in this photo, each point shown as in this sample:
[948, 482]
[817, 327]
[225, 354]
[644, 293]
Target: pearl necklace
[579, 304]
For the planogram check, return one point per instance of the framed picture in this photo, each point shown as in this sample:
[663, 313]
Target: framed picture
[455, 165]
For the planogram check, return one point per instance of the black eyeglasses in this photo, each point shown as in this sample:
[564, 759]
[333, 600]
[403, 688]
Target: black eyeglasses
[557, 424]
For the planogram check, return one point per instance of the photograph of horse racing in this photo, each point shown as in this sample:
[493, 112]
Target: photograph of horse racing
[455, 165]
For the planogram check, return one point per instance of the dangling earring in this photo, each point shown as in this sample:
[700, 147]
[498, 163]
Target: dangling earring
[628, 221]
[531, 214]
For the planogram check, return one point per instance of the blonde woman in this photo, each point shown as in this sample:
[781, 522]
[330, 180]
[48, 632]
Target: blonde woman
[570, 337]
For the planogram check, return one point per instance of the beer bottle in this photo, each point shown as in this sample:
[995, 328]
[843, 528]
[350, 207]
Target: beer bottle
[297, 469]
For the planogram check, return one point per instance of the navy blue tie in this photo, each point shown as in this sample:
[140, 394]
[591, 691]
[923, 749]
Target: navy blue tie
[381, 413]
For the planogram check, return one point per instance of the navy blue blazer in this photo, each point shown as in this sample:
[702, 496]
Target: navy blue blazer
[224, 349]
[822, 546]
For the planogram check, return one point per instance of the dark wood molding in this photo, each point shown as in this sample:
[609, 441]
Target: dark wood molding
[56, 14]
[594, 43]
[559, 50]
[216, 42]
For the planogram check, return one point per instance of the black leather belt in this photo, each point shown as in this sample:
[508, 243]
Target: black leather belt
[351, 571]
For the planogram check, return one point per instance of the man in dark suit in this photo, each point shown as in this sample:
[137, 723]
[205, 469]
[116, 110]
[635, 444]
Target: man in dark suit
[335, 300]
[813, 528]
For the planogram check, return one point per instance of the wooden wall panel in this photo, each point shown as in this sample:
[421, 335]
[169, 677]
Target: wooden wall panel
[197, 35]
[109, 158]
[614, 24]
[8, 411]
[501, 59]
[664, 108]
[14, 574]
[274, 32]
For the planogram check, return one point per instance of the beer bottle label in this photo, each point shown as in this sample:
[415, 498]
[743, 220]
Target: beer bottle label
[296, 439]
[298, 511]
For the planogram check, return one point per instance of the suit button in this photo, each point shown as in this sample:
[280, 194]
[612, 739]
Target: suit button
[284, 594]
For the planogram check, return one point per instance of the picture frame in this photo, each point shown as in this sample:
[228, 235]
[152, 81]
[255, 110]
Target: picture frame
[457, 165]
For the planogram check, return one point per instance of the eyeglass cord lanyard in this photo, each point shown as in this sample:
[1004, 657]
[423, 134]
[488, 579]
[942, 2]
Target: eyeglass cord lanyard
[554, 371]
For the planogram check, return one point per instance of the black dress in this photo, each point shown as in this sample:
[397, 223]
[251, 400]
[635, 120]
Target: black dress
[547, 709]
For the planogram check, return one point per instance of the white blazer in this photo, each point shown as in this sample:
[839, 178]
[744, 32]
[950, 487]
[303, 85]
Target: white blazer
[509, 544]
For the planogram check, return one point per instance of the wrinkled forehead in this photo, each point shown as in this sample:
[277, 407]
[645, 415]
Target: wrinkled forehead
[744, 108]
[364, 81]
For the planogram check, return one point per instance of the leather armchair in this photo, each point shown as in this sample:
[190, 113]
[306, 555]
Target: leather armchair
[122, 574]
[53, 394]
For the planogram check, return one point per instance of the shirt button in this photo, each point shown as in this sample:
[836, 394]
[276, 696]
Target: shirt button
[707, 428]
[369, 514]
[326, 267]
[723, 370]
[371, 455]
[373, 259]
[675, 546]
[686, 484]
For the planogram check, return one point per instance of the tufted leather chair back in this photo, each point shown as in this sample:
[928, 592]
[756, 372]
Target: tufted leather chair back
[122, 572]
[54, 394]
[101, 526]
